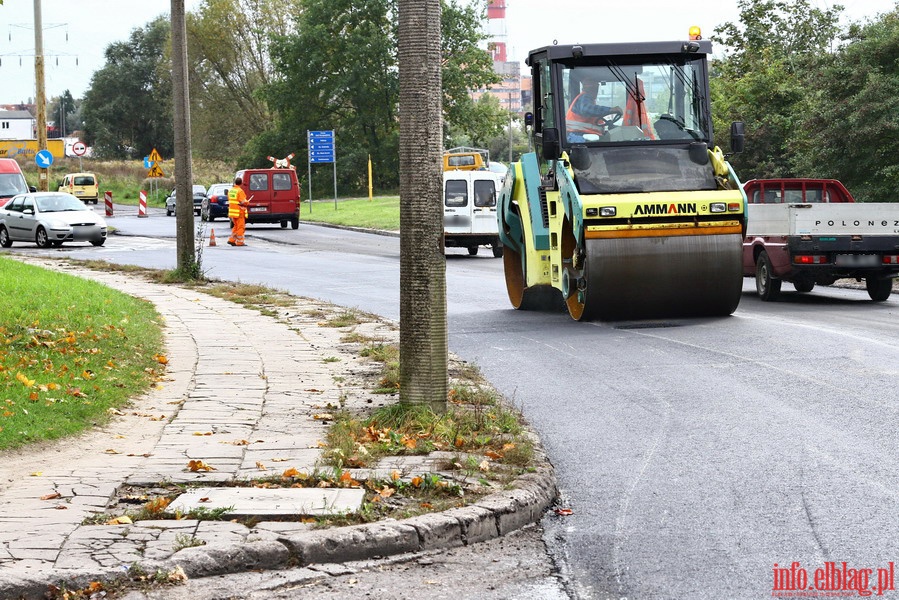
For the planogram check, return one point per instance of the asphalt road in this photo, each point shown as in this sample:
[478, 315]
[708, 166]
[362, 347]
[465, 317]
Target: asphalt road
[697, 455]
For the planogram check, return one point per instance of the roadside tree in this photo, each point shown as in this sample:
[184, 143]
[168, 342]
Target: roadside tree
[127, 110]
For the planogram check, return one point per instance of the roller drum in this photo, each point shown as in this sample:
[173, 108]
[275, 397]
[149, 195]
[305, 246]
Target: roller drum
[655, 277]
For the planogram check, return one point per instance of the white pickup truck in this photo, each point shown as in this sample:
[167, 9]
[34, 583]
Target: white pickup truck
[811, 231]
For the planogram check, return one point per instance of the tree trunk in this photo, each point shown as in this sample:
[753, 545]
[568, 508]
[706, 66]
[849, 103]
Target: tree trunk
[423, 345]
[184, 206]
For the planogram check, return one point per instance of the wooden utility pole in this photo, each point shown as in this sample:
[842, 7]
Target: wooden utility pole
[40, 99]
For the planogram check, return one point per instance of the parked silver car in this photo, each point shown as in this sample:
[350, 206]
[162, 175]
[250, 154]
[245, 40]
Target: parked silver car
[49, 219]
[199, 193]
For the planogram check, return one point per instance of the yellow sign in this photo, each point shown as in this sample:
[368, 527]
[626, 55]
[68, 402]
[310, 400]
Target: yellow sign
[155, 172]
[154, 157]
[29, 148]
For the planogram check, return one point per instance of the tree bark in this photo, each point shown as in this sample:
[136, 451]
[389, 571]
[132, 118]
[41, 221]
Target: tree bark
[423, 335]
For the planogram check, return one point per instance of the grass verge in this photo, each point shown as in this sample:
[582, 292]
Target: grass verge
[382, 212]
[71, 351]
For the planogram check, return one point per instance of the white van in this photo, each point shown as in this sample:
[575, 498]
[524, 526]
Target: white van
[469, 210]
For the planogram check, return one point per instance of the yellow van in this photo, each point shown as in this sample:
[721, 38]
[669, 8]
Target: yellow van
[83, 186]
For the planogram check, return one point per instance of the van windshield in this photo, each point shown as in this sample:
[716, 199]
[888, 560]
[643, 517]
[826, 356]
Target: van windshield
[12, 184]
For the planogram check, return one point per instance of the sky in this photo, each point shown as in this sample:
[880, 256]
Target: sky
[76, 32]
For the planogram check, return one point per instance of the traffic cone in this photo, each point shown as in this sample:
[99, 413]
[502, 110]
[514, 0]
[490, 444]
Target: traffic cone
[212, 237]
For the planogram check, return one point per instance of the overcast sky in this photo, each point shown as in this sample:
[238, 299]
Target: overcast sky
[76, 32]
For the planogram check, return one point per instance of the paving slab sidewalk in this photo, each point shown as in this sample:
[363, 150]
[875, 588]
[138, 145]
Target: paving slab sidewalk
[233, 376]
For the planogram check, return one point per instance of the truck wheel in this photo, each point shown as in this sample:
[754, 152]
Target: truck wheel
[879, 288]
[497, 250]
[804, 285]
[765, 284]
[472, 250]
[295, 223]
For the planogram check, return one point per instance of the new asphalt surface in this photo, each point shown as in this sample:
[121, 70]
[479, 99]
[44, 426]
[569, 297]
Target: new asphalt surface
[244, 393]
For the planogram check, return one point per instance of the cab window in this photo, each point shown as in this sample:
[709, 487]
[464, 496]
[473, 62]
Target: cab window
[456, 193]
[258, 182]
[484, 193]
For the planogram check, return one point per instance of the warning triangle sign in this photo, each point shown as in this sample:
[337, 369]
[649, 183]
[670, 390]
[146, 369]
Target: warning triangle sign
[155, 172]
[154, 157]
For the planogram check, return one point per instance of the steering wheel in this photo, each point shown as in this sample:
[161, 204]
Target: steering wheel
[613, 116]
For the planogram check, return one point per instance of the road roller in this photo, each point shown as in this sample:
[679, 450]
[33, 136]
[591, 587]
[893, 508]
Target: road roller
[626, 209]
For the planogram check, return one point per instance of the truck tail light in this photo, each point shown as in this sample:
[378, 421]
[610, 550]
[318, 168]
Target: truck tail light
[810, 259]
[890, 259]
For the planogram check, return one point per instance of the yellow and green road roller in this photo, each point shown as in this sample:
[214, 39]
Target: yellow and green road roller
[626, 209]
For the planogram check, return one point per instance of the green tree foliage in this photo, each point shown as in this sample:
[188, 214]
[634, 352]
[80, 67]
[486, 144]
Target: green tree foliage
[230, 59]
[853, 122]
[127, 110]
[767, 78]
[339, 71]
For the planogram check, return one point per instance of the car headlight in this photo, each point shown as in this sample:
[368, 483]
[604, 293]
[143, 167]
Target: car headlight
[59, 224]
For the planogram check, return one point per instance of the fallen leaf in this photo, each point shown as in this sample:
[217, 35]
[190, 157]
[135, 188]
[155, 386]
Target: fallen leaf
[261, 466]
[161, 359]
[202, 433]
[564, 512]
[493, 455]
[61, 507]
[323, 417]
[123, 520]
[52, 496]
[291, 472]
[484, 466]
[394, 475]
[199, 465]
[24, 380]
[204, 499]
[417, 481]
[279, 459]
[37, 473]
[112, 451]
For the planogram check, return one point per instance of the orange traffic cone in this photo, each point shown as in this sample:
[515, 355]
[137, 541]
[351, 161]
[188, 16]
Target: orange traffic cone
[212, 237]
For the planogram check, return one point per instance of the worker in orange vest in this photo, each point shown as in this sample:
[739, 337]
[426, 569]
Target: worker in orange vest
[585, 115]
[237, 212]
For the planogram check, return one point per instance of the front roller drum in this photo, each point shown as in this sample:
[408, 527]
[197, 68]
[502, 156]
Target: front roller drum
[646, 278]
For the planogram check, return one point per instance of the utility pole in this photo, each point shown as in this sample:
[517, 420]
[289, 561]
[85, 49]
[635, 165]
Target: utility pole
[184, 207]
[40, 95]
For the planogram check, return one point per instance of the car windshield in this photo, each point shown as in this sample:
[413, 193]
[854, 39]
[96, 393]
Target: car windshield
[199, 189]
[58, 203]
[11, 184]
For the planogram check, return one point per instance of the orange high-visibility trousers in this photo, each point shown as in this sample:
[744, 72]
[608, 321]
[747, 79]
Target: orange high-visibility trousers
[237, 231]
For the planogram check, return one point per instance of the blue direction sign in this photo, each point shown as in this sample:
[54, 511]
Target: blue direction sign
[44, 159]
[321, 146]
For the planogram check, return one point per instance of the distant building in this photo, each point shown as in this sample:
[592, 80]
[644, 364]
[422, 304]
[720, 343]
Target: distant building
[514, 92]
[17, 125]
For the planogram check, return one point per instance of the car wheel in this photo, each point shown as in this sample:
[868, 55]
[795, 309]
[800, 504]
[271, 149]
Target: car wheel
[41, 238]
[879, 288]
[497, 250]
[168, 212]
[472, 250]
[98, 242]
[765, 284]
[295, 223]
[5, 240]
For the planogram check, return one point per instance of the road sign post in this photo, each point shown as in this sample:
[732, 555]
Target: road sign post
[322, 149]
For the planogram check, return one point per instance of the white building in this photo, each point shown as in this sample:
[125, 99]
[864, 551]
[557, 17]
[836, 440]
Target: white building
[17, 125]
